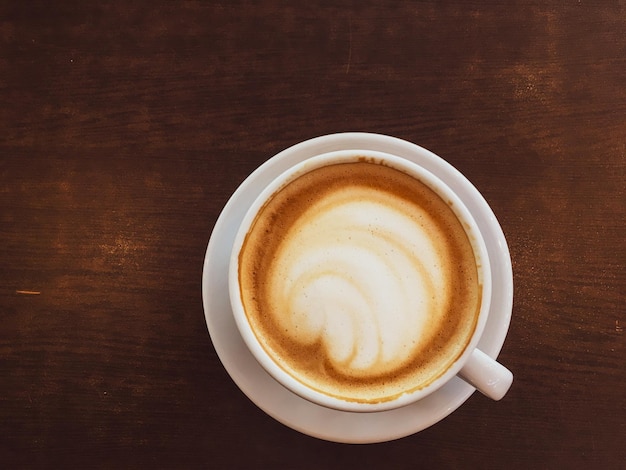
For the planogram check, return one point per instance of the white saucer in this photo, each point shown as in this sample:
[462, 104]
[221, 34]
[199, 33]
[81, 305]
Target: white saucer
[277, 401]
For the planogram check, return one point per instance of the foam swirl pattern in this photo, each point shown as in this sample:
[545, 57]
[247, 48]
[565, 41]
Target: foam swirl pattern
[362, 277]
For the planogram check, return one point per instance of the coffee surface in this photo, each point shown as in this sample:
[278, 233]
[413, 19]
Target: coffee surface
[360, 282]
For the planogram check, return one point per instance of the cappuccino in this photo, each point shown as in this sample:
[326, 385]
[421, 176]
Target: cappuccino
[360, 281]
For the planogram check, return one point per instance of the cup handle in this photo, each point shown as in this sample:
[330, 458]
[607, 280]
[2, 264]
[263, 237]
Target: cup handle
[489, 377]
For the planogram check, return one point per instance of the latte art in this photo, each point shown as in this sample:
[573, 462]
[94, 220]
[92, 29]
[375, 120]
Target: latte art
[360, 282]
[362, 278]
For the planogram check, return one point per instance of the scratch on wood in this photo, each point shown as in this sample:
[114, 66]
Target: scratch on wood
[349, 45]
[618, 328]
[27, 292]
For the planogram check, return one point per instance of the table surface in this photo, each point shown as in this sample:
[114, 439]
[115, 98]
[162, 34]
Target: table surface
[126, 126]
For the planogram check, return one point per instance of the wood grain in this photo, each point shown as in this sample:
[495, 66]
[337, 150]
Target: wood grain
[125, 128]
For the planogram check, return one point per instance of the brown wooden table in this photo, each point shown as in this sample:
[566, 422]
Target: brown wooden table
[126, 126]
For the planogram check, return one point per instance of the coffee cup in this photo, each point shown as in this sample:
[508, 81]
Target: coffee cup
[361, 282]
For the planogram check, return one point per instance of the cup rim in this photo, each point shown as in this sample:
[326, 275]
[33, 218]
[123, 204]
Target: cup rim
[247, 332]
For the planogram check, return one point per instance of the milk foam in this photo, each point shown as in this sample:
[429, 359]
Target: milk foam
[363, 275]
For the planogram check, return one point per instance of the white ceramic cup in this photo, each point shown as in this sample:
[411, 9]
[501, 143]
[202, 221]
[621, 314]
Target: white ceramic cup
[473, 366]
